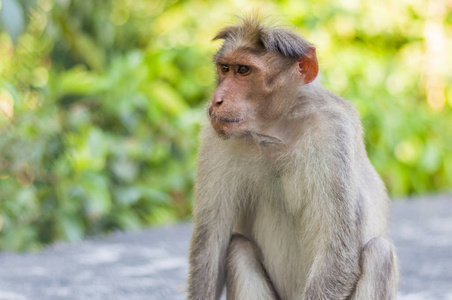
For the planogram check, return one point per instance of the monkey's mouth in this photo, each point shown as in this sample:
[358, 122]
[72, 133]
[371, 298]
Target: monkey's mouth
[225, 120]
[225, 126]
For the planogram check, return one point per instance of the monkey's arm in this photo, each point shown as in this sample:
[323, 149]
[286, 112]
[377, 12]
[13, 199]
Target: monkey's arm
[335, 267]
[207, 261]
[213, 222]
[334, 272]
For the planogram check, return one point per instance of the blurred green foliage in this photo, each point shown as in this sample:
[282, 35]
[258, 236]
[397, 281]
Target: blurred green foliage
[101, 103]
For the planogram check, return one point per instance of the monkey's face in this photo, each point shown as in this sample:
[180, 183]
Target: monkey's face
[228, 108]
[241, 102]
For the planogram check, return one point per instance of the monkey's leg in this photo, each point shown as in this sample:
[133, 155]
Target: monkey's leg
[246, 278]
[379, 275]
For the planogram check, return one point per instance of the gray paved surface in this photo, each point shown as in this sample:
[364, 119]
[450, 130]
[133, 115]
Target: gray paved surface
[152, 264]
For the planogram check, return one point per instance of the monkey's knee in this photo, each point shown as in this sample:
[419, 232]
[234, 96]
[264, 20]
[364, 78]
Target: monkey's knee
[242, 253]
[378, 254]
[245, 275]
[379, 271]
[240, 248]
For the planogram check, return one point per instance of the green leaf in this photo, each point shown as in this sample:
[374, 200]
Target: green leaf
[167, 98]
[97, 195]
[71, 227]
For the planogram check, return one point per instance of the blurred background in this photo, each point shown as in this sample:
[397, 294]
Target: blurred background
[101, 102]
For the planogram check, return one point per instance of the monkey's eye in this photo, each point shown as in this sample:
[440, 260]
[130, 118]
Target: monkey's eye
[224, 68]
[243, 70]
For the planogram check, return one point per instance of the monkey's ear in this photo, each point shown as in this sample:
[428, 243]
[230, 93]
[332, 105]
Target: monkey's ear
[308, 65]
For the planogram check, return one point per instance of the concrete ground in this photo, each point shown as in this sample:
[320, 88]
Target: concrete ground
[152, 264]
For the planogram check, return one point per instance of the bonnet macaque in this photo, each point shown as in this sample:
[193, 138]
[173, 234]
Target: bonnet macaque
[288, 205]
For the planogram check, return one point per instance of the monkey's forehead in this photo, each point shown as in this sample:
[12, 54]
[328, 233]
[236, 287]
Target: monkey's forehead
[244, 55]
[236, 55]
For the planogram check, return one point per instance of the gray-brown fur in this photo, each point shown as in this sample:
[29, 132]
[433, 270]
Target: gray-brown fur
[263, 38]
[378, 272]
[284, 165]
[243, 255]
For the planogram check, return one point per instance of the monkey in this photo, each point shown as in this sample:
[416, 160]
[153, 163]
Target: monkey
[287, 203]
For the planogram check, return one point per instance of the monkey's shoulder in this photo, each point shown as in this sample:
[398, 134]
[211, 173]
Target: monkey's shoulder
[333, 123]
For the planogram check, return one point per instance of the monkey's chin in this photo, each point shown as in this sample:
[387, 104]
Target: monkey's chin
[227, 129]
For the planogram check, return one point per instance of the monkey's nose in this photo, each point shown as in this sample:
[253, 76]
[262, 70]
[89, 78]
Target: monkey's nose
[218, 101]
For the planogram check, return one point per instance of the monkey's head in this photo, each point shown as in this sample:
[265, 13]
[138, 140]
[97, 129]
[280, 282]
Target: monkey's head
[260, 70]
